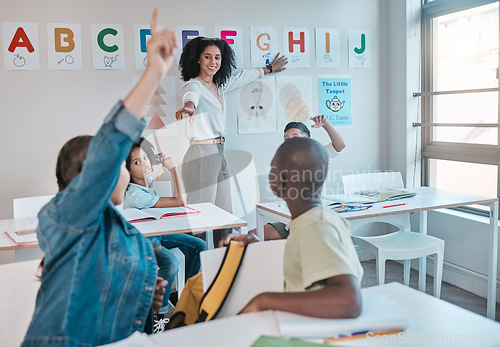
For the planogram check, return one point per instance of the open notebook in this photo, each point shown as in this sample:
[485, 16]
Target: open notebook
[134, 215]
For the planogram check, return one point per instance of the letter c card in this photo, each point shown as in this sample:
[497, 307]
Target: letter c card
[108, 48]
[20, 46]
[64, 46]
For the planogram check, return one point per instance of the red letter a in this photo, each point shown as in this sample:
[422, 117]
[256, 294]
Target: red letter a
[21, 40]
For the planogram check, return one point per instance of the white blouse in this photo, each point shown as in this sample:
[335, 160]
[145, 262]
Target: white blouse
[209, 118]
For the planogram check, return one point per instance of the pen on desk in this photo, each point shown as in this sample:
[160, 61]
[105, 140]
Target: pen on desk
[361, 334]
[395, 205]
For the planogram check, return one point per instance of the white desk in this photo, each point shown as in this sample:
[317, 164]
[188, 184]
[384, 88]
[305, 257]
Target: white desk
[432, 322]
[425, 200]
[211, 217]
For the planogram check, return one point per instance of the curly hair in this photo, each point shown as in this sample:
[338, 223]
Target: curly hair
[188, 64]
[147, 147]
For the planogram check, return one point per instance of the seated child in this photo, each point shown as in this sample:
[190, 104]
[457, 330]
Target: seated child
[98, 279]
[278, 230]
[141, 194]
[322, 271]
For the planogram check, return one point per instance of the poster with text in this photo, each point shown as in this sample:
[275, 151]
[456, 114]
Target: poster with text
[296, 47]
[184, 34]
[334, 97]
[108, 47]
[20, 46]
[263, 45]
[64, 46]
[160, 114]
[327, 48]
[293, 99]
[360, 49]
[234, 37]
[142, 34]
[256, 107]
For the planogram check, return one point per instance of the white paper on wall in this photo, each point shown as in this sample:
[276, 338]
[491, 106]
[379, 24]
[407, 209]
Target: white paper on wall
[263, 45]
[256, 107]
[293, 99]
[327, 48]
[360, 49]
[64, 46]
[296, 47]
[20, 46]
[108, 47]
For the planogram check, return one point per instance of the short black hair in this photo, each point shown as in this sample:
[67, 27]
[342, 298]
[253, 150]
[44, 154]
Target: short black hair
[147, 147]
[298, 125]
[188, 64]
[70, 160]
[304, 162]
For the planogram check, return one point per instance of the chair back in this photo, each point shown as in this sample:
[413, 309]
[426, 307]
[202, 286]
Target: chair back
[29, 207]
[391, 180]
[17, 300]
[261, 270]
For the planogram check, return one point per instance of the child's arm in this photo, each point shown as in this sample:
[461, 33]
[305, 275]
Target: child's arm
[337, 140]
[179, 198]
[341, 298]
[161, 49]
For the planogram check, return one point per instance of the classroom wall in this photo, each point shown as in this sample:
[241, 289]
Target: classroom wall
[42, 109]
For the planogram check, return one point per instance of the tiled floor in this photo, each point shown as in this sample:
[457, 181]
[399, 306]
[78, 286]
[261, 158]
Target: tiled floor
[450, 293]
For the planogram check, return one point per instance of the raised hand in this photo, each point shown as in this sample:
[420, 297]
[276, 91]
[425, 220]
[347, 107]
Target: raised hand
[161, 47]
[319, 121]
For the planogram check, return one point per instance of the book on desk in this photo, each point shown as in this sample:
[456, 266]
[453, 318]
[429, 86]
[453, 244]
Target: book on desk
[134, 215]
[23, 237]
[367, 196]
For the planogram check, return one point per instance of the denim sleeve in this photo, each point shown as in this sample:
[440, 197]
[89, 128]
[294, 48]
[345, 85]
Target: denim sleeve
[82, 202]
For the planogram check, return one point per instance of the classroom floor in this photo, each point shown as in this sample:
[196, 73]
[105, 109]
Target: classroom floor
[450, 293]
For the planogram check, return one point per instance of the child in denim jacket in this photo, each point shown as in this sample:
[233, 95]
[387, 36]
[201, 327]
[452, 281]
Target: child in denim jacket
[99, 282]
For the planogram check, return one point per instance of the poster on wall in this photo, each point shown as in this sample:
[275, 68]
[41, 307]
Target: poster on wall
[20, 46]
[108, 48]
[64, 46]
[327, 48]
[234, 37]
[293, 99]
[334, 98]
[160, 115]
[360, 49]
[184, 34]
[256, 107]
[296, 47]
[263, 45]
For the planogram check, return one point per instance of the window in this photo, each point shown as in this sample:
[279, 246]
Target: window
[460, 96]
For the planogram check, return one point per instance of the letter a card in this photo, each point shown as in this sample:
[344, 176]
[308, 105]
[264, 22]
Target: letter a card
[20, 46]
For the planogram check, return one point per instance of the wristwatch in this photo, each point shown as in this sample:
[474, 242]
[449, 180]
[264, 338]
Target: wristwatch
[269, 67]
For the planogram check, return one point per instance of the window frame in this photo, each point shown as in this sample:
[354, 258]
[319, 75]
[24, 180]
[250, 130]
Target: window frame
[461, 152]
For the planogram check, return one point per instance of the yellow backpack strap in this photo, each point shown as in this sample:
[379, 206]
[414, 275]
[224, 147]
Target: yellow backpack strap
[217, 292]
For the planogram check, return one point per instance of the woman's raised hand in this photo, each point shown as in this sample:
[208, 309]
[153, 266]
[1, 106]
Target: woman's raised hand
[161, 47]
[279, 63]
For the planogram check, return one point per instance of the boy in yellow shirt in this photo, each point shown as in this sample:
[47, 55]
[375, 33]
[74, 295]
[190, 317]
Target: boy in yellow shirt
[322, 271]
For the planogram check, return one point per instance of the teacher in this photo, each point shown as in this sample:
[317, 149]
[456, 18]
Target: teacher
[206, 65]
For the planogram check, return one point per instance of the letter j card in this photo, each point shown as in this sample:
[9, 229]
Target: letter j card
[334, 96]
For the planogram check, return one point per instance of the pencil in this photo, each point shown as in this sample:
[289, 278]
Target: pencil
[394, 205]
[361, 334]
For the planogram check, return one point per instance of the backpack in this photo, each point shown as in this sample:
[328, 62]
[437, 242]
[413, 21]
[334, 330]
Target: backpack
[194, 306]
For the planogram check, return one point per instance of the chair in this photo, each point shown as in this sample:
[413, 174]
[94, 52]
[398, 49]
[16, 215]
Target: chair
[402, 244]
[29, 208]
[261, 270]
[17, 300]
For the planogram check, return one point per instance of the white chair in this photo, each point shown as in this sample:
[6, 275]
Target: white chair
[402, 244]
[261, 270]
[17, 300]
[29, 208]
